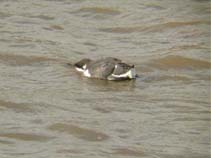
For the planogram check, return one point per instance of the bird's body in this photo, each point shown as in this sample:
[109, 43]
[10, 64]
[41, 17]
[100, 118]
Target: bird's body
[107, 68]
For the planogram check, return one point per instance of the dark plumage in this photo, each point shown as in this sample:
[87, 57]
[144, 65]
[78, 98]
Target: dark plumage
[107, 68]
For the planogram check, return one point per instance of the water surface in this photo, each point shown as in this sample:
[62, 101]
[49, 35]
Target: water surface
[49, 110]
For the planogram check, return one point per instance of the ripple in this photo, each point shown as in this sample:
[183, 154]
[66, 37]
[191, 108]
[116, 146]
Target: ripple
[178, 78]
[23, 45]
[5, 142]
[128, 152]
[69, 151]
[43, 17]
[151, 28]
[26, 136]
[179, 62]
[54, 27]
[154, 6]
[188, 47]
[5, 15]
[21, 60]
[79, 132]
[102, 110]
[99, 10]
[57, 27]
[17, 107]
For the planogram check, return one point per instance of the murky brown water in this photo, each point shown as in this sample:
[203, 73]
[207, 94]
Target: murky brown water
[48, 110]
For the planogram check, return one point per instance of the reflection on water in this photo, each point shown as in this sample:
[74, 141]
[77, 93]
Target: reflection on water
[49, 110]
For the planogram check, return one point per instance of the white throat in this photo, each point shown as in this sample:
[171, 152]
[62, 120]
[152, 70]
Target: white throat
[79, 69]
[84, 67]
[84, 71]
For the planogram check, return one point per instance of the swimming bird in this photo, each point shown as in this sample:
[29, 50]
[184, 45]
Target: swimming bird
[107, 69]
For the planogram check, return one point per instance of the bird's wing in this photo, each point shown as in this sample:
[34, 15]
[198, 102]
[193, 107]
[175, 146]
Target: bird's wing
[102, 69]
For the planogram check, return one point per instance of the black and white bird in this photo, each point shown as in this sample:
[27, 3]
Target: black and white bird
[107, 68]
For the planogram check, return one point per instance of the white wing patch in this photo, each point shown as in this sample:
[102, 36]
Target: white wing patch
[130, 74]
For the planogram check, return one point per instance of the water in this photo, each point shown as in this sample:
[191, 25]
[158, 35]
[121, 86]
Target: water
[49, 110]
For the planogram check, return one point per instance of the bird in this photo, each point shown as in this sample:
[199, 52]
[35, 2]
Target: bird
[108, 68]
